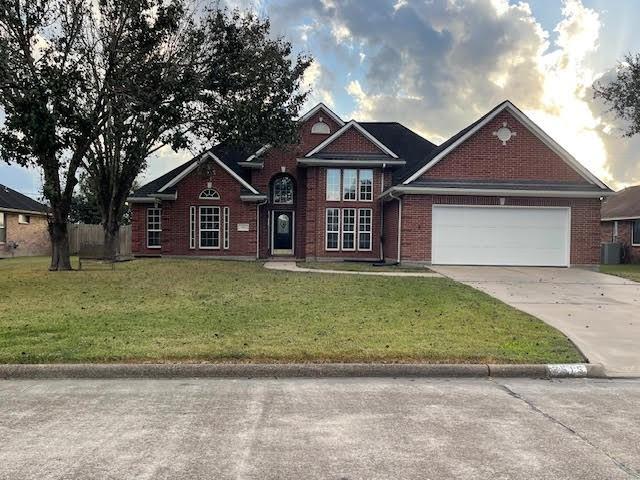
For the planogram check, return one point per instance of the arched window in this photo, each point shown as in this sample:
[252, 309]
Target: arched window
[321, 128]
[209, 194]
[283, 190]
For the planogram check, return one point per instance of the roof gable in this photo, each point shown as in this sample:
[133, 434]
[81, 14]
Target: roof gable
[355, 127]
[321, 107]
[468, 133]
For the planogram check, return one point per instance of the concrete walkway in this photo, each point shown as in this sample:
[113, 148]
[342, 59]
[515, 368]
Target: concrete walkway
[600, 313]
[374, 429]
[293, 267]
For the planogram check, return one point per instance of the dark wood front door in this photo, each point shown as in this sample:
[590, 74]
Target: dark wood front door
[282, 233]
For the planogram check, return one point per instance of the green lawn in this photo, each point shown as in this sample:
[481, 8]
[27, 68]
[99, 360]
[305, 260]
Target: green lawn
[360, 267]
[632, 272]
[165, 310]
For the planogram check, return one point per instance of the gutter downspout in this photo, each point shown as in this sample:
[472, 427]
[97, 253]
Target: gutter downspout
[258, 205]
[399, 199]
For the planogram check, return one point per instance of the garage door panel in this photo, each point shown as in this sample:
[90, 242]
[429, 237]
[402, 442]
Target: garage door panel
[500, 236]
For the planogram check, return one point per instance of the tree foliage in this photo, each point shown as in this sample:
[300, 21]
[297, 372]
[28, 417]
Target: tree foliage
[622, 94]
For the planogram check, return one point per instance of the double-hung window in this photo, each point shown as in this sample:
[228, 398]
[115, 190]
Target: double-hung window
[333, 229]
[3, 229]
[154, 227]
[226, 228]
[348, 229]
[364, 229]
[635, 233]
[349, 183]
[209, 227]
[365, 185]
[333, 184]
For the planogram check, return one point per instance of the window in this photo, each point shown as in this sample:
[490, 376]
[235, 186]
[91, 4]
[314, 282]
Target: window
[333, 229]
[635, 233]
[349, 229]
[226, 228]
[349, 180]
[192, 227]
[24, 219]
[365, 185]
[209, 227]
[364, 229]
[333, 184]
[3, 229]
[209, 194]
[283, 190]
[321, 128]
[154, 227]
[615, 231]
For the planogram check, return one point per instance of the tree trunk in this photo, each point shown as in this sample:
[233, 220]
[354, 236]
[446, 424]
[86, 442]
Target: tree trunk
[111, 240]
[60, 259]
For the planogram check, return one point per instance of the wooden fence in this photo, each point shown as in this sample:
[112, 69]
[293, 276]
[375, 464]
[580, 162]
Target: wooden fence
[82, 234]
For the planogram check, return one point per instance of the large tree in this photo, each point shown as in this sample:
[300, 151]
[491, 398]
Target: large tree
[622, 93]
[212, 77]
[101, 84]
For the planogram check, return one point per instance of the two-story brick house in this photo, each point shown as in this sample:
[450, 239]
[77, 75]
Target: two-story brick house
[500, 192]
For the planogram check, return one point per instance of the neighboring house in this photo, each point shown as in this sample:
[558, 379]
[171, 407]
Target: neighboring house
[500, 192]
[621, 221]
[23, 225]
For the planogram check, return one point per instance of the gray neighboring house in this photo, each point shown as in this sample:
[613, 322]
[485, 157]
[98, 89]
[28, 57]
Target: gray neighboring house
[23, 225]
[621, 221]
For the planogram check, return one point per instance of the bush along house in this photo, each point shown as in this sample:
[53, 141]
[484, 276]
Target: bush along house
[499, 192]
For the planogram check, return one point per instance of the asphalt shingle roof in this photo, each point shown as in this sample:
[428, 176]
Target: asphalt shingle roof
[624, 204]
[9, 198]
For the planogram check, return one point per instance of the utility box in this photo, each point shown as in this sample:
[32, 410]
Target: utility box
[611, 253]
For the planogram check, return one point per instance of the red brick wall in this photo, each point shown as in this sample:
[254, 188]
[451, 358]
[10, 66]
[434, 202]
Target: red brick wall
[176, 222]
[390, 231]
[416, 223]
[524, 157]
[624, 237]
[352, 141]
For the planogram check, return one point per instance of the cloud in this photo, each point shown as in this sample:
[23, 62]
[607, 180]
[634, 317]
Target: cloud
[438, 65]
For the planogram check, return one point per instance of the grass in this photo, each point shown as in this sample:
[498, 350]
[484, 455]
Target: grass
[631, 272]
[360, 267]
[158, 310]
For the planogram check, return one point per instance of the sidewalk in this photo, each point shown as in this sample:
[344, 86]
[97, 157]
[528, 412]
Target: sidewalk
[293, 267]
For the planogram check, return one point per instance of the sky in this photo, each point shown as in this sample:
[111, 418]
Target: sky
[438, 65]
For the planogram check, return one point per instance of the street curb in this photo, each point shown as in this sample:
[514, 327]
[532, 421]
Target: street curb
[288, 370]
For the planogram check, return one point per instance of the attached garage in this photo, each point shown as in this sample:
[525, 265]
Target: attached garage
[501, 235]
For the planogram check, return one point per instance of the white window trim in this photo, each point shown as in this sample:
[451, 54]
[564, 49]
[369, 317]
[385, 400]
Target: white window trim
[192, 227]
[154, 230]
[226, 225]
[360, 199]
[634, 244]
[370, 232]
[200, 229]
[23, 222]
[4, 227]
[326, 230]
[215, 197]
[354, 232]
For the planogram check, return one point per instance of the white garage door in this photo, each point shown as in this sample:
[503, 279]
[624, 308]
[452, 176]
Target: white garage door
[464, 235]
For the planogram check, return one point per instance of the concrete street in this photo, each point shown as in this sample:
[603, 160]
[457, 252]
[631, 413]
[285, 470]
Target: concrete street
[320, 429]
[600, 313]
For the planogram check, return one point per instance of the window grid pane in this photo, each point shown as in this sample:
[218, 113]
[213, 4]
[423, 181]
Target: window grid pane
[154, 227]
[283, 190]
[226, 228]
[333, 229]
[366, 185]
[209, 227]
[192, 227]
[348, 229]
[364, 229]
[333, 184]
[349, 180]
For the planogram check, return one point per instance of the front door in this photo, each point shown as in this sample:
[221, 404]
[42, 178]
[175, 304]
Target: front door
[282, 233]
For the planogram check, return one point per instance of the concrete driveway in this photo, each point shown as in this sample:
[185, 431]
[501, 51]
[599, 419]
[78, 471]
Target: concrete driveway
[600, 313]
